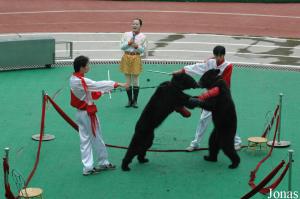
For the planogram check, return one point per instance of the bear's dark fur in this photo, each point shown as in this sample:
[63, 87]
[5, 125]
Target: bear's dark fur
[223, 116]
[167, 97]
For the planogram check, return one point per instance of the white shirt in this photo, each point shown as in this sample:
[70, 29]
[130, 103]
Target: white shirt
[201, 68]
[100, 86]
[140, 39]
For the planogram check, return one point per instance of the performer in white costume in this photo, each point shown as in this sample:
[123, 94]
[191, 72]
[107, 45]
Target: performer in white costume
[83, 92]
[216, 62]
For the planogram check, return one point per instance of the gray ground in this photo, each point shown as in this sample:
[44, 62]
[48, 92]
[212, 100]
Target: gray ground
[174, 46]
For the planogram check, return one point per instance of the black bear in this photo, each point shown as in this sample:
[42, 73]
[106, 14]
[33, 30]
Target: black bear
[168, 97]
[218, 100]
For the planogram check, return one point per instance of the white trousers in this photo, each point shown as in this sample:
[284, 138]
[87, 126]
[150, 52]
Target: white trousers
[205, 118]
[88, 142]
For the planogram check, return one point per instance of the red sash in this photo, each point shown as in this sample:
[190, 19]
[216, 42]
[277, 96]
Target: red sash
[77, 103]
[82, 105]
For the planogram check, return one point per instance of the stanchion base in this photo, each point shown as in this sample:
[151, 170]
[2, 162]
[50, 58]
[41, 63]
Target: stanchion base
[281, 144]
[46, 137]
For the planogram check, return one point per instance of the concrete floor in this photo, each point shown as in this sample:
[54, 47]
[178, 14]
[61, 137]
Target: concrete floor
[174, 46]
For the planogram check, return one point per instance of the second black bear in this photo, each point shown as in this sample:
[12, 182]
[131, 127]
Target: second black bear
[218, 100]
[167, 98]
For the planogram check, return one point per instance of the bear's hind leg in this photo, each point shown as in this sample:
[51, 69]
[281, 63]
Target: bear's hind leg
[128, 158]
[233, 156]
[148, 143]
[125, 166]
[142, 157]
[214, 148]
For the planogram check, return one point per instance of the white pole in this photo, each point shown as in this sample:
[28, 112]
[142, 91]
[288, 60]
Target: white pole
[280, 109]
[6, 150]
[108, 77]
[161, 72]
[290, 169]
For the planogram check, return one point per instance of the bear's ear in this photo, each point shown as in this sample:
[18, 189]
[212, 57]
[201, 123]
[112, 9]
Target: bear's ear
[176, 77]
[217, 72]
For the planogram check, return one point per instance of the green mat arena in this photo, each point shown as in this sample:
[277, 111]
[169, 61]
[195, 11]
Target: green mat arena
[171, 175]
[39, 41]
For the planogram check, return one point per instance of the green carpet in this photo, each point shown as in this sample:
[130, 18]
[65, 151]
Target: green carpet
[167, 175]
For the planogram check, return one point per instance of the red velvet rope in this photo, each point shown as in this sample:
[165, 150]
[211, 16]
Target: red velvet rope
[263, 182]
[260, 187]
[266, 190]
[8, 193]
[5, 168]
[158, 150]
[268, 128]
[269, 154]
[40, 141]
[75, 126]
[63, 114]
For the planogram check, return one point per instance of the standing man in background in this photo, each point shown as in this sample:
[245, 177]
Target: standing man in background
[133, 44]
[216, 62]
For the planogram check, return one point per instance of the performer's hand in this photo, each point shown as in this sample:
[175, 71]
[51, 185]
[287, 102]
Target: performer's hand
[130, 42]
[135, 45]
[192, 103]
[124, 85]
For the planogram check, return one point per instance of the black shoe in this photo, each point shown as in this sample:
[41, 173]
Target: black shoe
[134, 105]
[129, 104]
[129, 94]
[135, 96]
